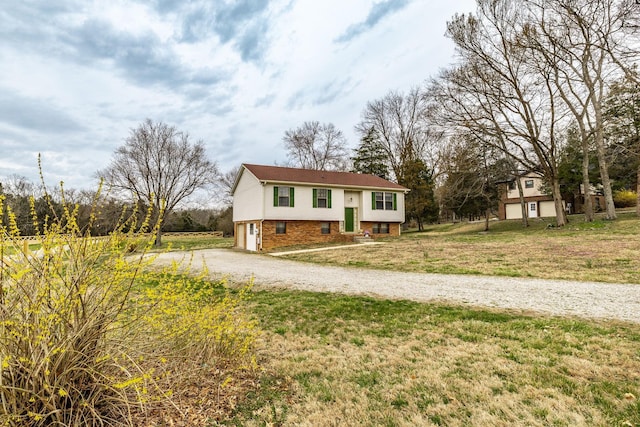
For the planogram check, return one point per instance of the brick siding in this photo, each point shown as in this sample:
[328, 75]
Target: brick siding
[301, 233]
[308, 232]
[394, 228]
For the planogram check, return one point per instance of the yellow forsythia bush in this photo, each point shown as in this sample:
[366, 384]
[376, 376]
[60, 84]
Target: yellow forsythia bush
[625, 198]
[90, 335]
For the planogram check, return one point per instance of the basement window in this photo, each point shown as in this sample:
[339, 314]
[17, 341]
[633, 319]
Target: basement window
[325, 228]
[380, 228]
[281, 228]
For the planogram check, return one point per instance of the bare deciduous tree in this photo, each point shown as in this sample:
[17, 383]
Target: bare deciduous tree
[622, 124]
[226, 182]
[17, 185]
[398, 122]
[496, 95]
[576, 40]
[317, 146]
[160, 166]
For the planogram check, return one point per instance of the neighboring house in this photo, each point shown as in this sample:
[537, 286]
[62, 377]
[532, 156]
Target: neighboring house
[276, 206]
[538, 203]
[575, 201]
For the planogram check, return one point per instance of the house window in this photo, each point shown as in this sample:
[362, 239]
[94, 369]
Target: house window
[281, 228]
[379, 201]
[512, 185]
[380, 228]
[383, 201]
[283, 196]
[388, 201]
[325, 228]
[528, 183]
[321, 198]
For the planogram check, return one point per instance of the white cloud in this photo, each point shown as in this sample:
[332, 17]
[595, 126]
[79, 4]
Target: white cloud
[77, 76]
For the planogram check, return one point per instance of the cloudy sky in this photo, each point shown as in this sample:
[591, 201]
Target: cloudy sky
[78, 75]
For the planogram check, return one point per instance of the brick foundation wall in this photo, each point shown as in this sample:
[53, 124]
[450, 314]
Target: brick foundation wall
[308, 232]
[300, 233]
[394, 228]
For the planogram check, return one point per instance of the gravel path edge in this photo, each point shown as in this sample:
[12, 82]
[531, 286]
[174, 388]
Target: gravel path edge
[595, 300]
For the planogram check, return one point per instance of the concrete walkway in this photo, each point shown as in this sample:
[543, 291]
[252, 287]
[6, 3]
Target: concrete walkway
[328, 248]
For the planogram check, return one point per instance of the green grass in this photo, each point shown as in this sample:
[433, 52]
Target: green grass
[189, 243]
[365, 361]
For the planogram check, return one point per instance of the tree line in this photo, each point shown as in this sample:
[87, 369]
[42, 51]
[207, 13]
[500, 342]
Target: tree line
[156, 171]
[26, 200]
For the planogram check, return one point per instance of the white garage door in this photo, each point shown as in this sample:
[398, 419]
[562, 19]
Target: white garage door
[513, 211]
[547, 209]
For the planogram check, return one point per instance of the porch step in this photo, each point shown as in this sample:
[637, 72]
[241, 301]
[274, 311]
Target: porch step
[363, 239]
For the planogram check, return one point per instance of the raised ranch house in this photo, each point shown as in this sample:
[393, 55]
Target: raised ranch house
[277, 206]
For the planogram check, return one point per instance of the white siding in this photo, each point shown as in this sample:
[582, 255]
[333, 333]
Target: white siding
[303, 205]
[375, 215]
[352, 199]
[528, 192]
[247, 198]
[254, 201]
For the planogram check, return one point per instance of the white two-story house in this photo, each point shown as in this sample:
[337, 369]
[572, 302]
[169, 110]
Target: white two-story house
[277, 206]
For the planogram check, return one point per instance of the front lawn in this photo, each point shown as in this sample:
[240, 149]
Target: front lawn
[603, 251]
[340, 360]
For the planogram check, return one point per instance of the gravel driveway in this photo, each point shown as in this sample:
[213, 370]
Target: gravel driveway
[584, 299]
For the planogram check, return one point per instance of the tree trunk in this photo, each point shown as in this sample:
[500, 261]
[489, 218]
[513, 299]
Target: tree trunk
[486, 219]
[604, 170]
[158, 239]
[561, 216]
[587, 206]
[523, 204]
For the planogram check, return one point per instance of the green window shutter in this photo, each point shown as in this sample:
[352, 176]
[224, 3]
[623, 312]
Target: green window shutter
[290, 197]
[275, 196]
[395, 201]
[315, 198]
[329, 199]
[373, 200]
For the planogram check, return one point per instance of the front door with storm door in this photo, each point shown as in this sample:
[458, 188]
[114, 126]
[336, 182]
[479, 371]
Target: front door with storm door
[348, 220]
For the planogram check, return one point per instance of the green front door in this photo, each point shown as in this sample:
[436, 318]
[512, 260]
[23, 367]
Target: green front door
[348, 220]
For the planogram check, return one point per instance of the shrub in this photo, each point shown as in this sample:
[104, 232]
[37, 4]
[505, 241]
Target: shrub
[625, 198]
[85, 340]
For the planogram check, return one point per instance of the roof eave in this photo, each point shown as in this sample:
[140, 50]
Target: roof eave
[357, 187]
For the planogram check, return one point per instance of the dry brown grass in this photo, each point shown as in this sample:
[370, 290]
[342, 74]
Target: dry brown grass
[359, 361]
[410, 381]
[602, 251]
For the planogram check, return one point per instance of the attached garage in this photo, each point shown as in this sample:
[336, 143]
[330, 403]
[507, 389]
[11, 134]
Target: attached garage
[513, 211]
[543, 208]
[548, 209]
